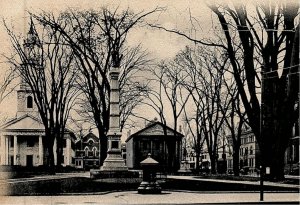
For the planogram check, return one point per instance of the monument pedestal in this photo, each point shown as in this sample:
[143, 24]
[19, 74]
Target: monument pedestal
[184, 167]
[114, 162]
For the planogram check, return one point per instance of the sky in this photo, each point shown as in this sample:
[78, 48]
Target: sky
[160, 44]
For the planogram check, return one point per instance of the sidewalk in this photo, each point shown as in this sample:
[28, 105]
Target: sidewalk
[167, 197]
[236, 182]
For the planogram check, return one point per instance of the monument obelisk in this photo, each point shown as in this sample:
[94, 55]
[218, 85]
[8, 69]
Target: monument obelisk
[114, 160]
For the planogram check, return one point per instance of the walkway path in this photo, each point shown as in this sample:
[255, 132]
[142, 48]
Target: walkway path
[236, 182]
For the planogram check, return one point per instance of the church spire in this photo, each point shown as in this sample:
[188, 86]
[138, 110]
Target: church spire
[32, 36]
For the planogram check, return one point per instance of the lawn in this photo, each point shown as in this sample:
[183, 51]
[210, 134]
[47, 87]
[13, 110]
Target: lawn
[81, 185]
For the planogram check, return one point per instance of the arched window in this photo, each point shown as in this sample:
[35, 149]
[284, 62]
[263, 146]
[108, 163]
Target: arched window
[94, 151]
[29, 102]
[86, 151]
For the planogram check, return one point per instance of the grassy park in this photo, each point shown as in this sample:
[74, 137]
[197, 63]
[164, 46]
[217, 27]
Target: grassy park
[86, 185]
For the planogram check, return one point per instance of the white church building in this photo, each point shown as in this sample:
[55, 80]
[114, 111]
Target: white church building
[21, 138]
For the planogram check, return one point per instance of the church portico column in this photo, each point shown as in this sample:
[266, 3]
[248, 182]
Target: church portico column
[3, 154]
[6, 149]
[54, 151]
[68, 149]
[41, 151]
[15, 149]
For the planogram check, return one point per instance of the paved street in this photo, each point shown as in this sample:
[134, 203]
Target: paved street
[131, 197]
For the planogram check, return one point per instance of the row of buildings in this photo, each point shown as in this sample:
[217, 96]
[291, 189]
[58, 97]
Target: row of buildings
[21, 144]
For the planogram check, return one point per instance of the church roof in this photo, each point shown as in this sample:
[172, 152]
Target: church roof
[87, 137]
[156, 129]
[25, 122]
[28, 122]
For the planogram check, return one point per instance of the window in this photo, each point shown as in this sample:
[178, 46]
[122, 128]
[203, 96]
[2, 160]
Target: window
[95, 151]
[29, 102]
[246, 151]
[12, 142]
[91, 142]
[30, 142]
[251, 150]
[86, 150]
[156, 145]
[145, 145]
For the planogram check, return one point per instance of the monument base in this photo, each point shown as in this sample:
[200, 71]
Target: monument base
[184, 168]
[114, 162]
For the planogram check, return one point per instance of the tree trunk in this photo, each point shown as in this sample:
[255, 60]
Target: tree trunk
[236, 160]
[59, 151]
[103, 148]
[197, 162]
[213, 164]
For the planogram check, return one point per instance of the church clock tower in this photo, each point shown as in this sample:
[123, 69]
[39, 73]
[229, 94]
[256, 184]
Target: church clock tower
[25, 98]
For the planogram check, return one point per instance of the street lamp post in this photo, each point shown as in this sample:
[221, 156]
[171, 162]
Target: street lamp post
[261, 183]
[261, 136]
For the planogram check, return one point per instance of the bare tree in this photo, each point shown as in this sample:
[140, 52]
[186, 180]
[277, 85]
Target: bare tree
[275, 47]
[235, 119]
[269, 36]
[206, 67]
[47, 66]
[7, 86]
[98, 40]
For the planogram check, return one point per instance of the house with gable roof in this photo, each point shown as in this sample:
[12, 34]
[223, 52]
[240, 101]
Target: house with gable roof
[162, 142]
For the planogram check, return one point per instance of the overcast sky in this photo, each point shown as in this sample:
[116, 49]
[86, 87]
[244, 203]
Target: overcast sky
[160, 44]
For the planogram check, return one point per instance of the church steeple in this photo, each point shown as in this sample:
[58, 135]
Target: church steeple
[25, 99]
[32, 36]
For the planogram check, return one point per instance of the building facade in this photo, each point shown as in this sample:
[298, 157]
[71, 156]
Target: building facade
[163, 143]
[87, 152]
[249, 153]
[21, 139]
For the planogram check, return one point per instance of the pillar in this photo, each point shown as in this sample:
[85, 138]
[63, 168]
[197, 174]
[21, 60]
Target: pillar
[3, 150]
[41, 150]
[68, 151]
[15, 150]
[6, 150]
[54, 151]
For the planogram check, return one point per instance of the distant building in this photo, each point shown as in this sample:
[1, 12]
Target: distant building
[22, 137]
[87, 152]
[249, 152]
[189, 155]
[292, 153]
[166, 149]
[223, 156]
[123, 151]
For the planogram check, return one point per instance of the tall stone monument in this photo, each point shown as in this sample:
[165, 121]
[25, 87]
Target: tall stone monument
[114, 160]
